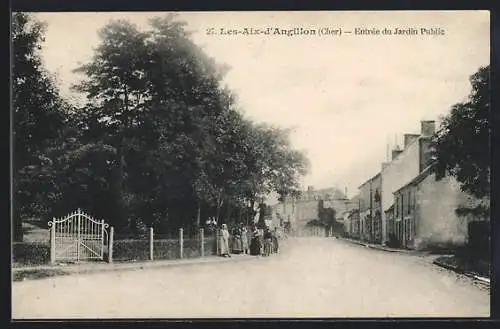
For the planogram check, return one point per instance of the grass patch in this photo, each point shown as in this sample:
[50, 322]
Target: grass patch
[35, 231]
[461, 265]
[37, 274]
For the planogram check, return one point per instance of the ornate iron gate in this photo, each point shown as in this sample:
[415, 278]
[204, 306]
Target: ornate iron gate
[77, 237]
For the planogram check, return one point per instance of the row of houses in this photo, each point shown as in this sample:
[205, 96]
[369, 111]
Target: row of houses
[404, 204]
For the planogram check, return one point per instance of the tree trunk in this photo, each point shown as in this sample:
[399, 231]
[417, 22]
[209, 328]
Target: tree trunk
[198, 215]
[251, 214]
[217, 213]
[228, 211]
[219, 206]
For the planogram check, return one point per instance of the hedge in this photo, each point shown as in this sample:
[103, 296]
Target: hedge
[126, 250]
[166, 249]
[30, 253]
[192, 248]
[210, 246]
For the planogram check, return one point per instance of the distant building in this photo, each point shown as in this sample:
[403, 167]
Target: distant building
[370, 209]
[352, 224]
[299, 211]
[405, 165]
[326, 194]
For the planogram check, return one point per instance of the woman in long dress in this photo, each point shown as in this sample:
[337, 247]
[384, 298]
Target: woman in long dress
[237, 243]
[276, 237]
[224, 241]
[255, 245]
[261, 240]
[244, 240]
[268, 241]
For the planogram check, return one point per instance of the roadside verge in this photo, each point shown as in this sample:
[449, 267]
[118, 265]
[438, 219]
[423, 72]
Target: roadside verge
[442, 262]
[40, 272]
[439, 261]
[379, 247]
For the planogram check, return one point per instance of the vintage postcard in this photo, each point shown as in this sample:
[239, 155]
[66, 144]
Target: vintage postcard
[250, 164]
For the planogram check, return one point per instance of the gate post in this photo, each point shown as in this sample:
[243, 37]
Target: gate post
[78, 228]
[53, 242]
[150, 243]
[102, 239]
[181, 242]
[110, 244]
[202, 241]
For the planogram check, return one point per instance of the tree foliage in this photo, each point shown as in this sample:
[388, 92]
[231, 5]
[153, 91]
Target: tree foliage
[39, 116]
[462, 144]
[160, 141]
[326, 215]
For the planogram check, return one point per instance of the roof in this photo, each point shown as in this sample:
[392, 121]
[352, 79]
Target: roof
[354, 198]
[369, 180]
[335, 192]
[419, 178]
[391, 208]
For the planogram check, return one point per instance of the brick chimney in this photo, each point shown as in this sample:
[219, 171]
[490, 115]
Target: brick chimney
[410, 138]
[428, 128]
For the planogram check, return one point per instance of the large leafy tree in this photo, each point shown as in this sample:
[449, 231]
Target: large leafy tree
[462, 144]
[159, 140]
[182, 145]
[39, 118]
[152, 95]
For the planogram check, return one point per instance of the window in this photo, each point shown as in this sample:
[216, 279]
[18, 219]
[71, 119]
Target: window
[395, 211]
[402, 206]
[409, 203]
[396, 207]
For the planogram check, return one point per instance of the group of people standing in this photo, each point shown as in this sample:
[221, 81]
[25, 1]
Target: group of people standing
[244, 241]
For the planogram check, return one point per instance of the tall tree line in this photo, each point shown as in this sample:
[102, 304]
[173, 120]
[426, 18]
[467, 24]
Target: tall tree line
[160, 141]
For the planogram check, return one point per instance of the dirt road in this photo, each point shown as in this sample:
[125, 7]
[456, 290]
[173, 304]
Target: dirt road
[311, 277]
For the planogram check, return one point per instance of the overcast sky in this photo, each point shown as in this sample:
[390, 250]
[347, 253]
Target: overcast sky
[345, 96]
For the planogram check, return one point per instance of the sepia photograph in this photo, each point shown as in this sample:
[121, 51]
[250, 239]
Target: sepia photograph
[250, 164]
